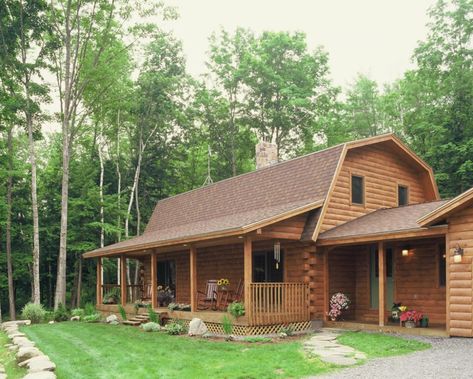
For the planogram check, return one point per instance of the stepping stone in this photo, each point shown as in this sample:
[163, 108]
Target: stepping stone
[318, 343]
[339, 360]
[324, 337]
[2, 369]
[328, 353]
[3, 375]
[41, 363]
[25, 353]
[22, 341]
[41, 375]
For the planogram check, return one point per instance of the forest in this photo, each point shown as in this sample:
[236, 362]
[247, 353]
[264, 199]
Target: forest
[99, 119]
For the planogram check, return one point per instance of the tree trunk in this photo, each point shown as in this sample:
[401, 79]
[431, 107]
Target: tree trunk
[60, 296]
[11, 290]
[79, 283]
[102, 220]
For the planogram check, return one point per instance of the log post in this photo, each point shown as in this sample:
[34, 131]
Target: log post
[247, 272]
[154, 280]
[123, 280]
[326, 294]
[193, 277]
[382, 282]
[99, 292]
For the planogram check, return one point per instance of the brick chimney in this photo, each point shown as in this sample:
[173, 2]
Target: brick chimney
[266, 154]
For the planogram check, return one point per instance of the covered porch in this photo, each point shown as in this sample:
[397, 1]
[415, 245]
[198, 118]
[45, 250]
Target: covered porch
[273, 290]
[378, 271]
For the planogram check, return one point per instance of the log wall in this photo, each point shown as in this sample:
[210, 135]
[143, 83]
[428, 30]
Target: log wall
[382, 170]
[460, 283]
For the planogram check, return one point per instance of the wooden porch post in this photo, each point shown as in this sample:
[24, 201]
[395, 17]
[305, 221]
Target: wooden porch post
[326, 295]
[193, 277]
[123, 280]
[154, 280]
[99, 281]
[247, 271]
[382, 282]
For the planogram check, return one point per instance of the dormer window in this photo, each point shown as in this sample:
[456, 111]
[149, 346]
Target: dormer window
[402, 195]
[357, 190]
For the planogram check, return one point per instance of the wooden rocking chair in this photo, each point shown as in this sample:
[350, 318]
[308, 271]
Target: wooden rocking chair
[206, 300]
[237, 295]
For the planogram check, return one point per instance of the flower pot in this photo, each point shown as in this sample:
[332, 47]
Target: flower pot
[410, 324]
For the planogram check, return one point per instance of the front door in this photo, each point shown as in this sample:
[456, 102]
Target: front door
[374, 278]
[266, 269]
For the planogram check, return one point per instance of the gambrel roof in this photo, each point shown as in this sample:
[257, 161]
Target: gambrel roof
[250, 201]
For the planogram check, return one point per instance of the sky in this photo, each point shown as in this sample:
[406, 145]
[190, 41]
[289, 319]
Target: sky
[372, 37]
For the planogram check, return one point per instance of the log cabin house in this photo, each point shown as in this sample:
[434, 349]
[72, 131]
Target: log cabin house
[363, 218]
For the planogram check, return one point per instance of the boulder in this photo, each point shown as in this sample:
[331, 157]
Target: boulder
[25, 353]
[2, 369]
[22, 341]
[15, 334]
[15, 323]
[197, 327]
[51, 322]
[40, 363]
[75, 318]
[41, 375]
[111, 318]
[3, 375]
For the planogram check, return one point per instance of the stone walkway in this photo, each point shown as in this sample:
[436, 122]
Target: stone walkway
[325, 346]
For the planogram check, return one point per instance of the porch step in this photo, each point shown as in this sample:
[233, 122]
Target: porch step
[141, 317]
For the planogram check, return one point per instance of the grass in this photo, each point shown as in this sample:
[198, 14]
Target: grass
[7, 359]
[376, 345]
[104, 351]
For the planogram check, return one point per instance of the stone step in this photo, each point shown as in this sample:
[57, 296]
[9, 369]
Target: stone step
[132, 322]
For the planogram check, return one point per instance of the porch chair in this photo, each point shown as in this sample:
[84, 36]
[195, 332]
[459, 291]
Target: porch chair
[224, 299]
[237, 295]
[206, 299]
[146, 293]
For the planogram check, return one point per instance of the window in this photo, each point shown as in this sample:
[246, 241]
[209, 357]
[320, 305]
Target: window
[167, 274]
[357, 190]
[442, 266]
[266, 268]
[402, 195]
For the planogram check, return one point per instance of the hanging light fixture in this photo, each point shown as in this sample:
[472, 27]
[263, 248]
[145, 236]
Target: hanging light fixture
[277, 253]
[405, 252]
[457, 254]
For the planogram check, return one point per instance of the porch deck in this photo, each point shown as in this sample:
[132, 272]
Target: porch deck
[431, 331]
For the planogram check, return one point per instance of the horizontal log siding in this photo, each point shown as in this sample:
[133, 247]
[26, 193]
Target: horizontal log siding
[382, 170]
[416, 279]
[460, 307]
[342, 277]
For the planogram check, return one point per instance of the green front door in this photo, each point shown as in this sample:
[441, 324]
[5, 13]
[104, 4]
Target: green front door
[374, 278]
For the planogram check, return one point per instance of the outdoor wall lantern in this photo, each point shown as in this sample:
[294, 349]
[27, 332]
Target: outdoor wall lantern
[405, 252]
[457, 254]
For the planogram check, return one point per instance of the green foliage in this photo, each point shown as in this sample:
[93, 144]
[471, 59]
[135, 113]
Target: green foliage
[287, 330]
[227, 325]
[94, 317]
[61, 313]
[151, 327]
[236, 309]
[34, 312]
[153, 316]
[175, 327]
[256, 339]
[78, 312]
[89, 309]
[122, 312]
[173, 306]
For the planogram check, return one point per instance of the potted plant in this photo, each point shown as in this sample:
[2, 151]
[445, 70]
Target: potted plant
[223, 284]
[396, 312]
[424, 322]
[411, 318]
[165, 296]
[338, 303]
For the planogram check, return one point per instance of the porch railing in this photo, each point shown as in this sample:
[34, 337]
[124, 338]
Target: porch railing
[273, 303]
[133, 293]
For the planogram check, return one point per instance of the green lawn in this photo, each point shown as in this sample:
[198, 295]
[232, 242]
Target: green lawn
[7, 359]
[104, 351]
[376, 345]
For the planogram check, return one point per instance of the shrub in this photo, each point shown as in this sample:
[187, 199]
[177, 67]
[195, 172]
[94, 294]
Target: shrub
[287, 330]
[227, 325]
[175, 327]
[122, 312]
[173, 306]
[78, 312]
[112, 296]
[34, 312]
[61, 313]
[89, 309]
[151, 327]
[236, 309]
[153, 316]
[92, 318]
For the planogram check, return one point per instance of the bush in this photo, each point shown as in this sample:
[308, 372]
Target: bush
[236, 309]
[175, 328]
[92, 318]
[89, 309]
[151, 327]
[78, 312]
[122, 312]
[34, 312]
[287, 330]
[61, 313]
[153, 316]
[112, 296]
[227, 325]
[173, 306]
